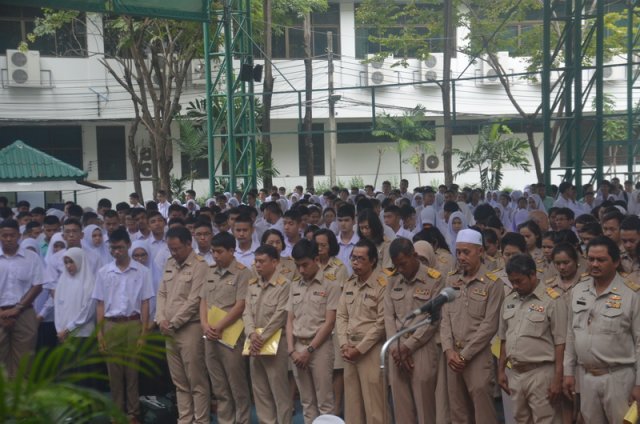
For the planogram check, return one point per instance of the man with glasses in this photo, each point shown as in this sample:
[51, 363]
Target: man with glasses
[203, 234]
[122, 292]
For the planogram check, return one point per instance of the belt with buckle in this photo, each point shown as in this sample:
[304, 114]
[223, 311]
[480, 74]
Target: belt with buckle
[134, 317]
[600, 371]
[528, 366]
[304, 340]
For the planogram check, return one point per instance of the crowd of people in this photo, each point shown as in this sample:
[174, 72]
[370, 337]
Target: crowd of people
[273, 295]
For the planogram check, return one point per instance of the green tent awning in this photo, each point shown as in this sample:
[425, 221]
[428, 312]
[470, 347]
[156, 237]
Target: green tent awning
[21, 162]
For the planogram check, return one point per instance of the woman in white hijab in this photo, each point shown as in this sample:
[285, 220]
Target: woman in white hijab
[535, 203]
[140, 251]
[93, 240]
[457, 222]
[75, 310]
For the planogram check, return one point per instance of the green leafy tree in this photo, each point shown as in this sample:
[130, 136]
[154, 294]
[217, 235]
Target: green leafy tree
[407, 130]
[497, 147]
[490, 25]
[151, 62]
[193, 143]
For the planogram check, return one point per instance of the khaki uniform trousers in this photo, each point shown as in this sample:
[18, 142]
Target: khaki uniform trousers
[529, 396]
[185, 356]
[228, 373]
[414, 394]
[470, 394]
[443, 415]
[18, 341]
[269, 378]
[604, 398]
[364, 391]
[315, 383]
[123, 380]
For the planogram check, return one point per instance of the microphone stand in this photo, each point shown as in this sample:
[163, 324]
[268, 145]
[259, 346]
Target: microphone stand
[433, 318]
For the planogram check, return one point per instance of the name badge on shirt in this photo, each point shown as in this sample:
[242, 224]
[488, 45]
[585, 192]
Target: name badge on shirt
[320, 293]
[480, 292]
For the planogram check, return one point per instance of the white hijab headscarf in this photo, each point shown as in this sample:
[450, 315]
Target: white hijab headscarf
[74, 308]
[452, 235]
[56, 238]
[101, 251]
[156, 272]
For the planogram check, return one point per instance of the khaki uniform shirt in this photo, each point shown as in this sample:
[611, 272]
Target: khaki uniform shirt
[178, 299]
[445, 261]
[565, 289]
[287, 267]
[335, 271]
[266, 305]
[360, 316]
[224, 287]
[471, 320]
[384, 258]
[603, 330]
[309, 302]
[403, 296]
[627, 263]
[533, 326]
[494, 262]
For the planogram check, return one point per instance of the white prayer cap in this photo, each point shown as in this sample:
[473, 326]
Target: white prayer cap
[328, 419]
[428, 215]
[469, 236]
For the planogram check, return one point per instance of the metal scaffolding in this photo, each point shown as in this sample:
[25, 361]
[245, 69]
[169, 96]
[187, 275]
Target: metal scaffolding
[573, 66]
[230, 112]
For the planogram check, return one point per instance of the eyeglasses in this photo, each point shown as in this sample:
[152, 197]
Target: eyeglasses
[358, 258]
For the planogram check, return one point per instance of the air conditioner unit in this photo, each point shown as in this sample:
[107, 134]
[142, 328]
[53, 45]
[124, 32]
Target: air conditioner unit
[431, 68]
[615, 70]
[488, 75]
[380, 72]
[145, 162]
[23, 68]
[432, 163]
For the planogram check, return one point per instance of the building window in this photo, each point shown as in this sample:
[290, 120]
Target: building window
[17, 22]
[61, 142]
[318, 151]
[432, 36]
[360, 132]
[200, 167]
[112, 153]
[288, 41]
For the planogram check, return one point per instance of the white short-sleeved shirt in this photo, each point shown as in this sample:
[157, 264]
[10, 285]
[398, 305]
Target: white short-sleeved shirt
[247, 257]
[123, 291]
[18, 273]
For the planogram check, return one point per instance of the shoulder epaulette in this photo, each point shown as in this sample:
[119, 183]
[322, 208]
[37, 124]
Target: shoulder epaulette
[550, 280]
[297, 277]
[199, 258]
[539, 260]
[389, 271]
[253, 281]
[540, 270]
[382, 281]
[553, 293]
[624, 274]
[280, 280]
[632, 285]
[453, 271]
[240, 266]
[497, 269]
[331, 276]
[285, 271]
[443, 259]
[491, 276]
[433, 273]
[337, 262]
[584, 276]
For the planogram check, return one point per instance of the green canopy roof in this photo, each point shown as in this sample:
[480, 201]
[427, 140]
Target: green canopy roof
[20, 162]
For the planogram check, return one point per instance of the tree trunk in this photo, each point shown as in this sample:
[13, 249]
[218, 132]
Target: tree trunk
[267, 90]
[308, 107]
[134, 158]
[447, 151]
[534, 152]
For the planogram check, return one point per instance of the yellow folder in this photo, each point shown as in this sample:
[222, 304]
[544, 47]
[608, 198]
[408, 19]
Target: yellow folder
[631, 417]
[231, 334]
[270, 346]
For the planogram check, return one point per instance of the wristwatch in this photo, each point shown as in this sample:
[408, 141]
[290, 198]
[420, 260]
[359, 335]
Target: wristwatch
[310, 349]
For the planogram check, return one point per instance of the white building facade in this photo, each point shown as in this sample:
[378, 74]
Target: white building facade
[77, 112]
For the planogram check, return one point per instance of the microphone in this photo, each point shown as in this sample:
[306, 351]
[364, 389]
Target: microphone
[435, 304]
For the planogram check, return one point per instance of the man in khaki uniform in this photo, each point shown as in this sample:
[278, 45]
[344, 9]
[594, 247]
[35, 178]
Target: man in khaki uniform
[266, 309]
[468, 325]
[312, 306]
[177, 316]
[414, 366]
[360, 329]
[533, 326]
[602, 338]
[226, 288]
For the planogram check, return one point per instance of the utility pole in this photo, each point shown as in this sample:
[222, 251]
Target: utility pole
[333, 135]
